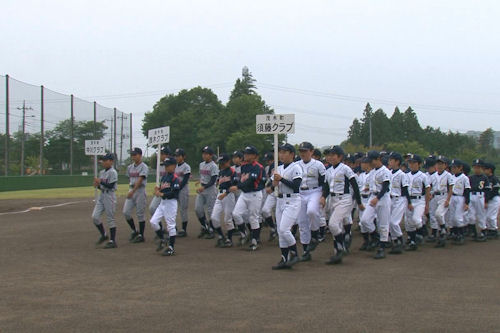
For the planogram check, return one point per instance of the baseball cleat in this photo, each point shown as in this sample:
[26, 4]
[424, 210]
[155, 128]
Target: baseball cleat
[419, 239]
[306, 256]
[253, 246]
[182, 233]
[313, 244]
[220, 242]
[243, 240]
[336, 258]
[168, 252]
[294, 258]
[210, 235]
[412, 246]
[138, 239]
[110, 245]
[102, 239]
[431, 239]
[365, 246]
[228, 243]
[203, 232]
[272, 236]
[161, 245]
[133, 235]
[380, 254]
[281, 265]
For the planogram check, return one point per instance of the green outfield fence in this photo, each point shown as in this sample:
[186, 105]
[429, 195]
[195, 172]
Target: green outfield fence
[18, 183]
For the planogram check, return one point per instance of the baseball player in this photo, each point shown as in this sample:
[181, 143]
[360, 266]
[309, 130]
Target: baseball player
[207, 192]
[313, 177]
[459, 203]
[137, 173]
[477, 209]
[493, 201]
[336, 186]
[269, 205]
[325, 213]
[287, 178]
[418, 203]
[183, 173]
[364, 182]
[237, 160]
[106, 202]
[399, 201]
[250, 201]
[168, 191]
[442, 192]
[379, 207]
[430, 166]
[225, 202]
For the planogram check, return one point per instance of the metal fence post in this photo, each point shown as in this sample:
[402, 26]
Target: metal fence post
[130, 131]
[114, 133]
[41, 129]
[95, 120]
[7, 134]
[71, 138]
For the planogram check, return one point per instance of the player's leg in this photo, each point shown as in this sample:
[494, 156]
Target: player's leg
[170, 213]
[239, 212]
[155, 202]
[215, 218]
[471, 216]
[267, 211]
[128, 206]
[155, 222]
[314, 213]
[383, 211]
[199, 207]
[398, 207]
[347, 225]
[492, 218]
[290, 212]
[304, 227]
[254, 213]
[110, 209]
[183, 203]
[140, 209]
[228, 207]
[211, 196]
[433, 221]
[367, 226]
[341, 207]
[96, 218]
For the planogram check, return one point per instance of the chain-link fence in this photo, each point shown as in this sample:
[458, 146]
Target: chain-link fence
[43, 132]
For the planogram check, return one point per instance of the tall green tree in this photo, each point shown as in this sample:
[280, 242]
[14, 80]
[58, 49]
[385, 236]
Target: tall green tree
[486, 140]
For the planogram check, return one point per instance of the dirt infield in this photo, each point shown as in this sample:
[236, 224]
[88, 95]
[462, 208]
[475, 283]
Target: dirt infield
[54, 279]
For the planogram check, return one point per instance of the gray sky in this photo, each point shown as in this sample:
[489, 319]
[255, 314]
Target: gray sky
[430, 54]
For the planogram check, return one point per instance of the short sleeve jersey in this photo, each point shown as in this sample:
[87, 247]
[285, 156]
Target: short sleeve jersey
[181, 170]
[337, 178]
[399, 179]
[311, 171]
[108, 176]
[290, 172]
[207, 171]
[419, 182]
[136, 171]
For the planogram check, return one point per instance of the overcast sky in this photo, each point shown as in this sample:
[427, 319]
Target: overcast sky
[441, 56]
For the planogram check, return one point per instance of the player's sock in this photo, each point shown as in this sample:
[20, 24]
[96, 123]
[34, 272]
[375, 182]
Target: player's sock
[184, 225]
[101, 229]
[338, 242]
[142, 226]
[472, 230]
[256, 234]
[322, 231]
[230, 234]
[366, 236]
[203, 222]
[171, 241]
[211, 226]
[159, 233]
[400, 240]
[412, 235]
[270, 222]
[314, 234]
[242, 230]
[131, 224]
[293, 248]
[294, 229]
[112, 233]
[434, 232]
[219, 232]
[305, 247]
[347, 228]
[284, 253]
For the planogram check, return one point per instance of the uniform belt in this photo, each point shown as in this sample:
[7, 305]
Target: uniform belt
[477, 192]
[366, 196]
[333, 194]
[287, 195]
[308, 188]
[457, 195]
[416, 197]
[395, 196]
[107, 191]
[439, 193]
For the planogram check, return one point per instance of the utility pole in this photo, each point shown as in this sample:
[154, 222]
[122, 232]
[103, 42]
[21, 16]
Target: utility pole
[24, 108]
[370, 123]
[122, 116]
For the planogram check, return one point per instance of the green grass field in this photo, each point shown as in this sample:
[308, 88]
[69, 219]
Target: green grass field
[72, 192]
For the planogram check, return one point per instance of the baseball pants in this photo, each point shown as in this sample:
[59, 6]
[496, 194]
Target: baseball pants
[457, 211]
[492, 213]
[340, 207]
[269, 206]
[309, 215]
[414, 218]
[154, 204]
[205, 201]
[225, 206]
[398, 208]
[381, 211]
[183, 203]
[477, 211]
[106, 203]
[441, 211]
[167, 210]
[433, 204]
[248, 206]
[287, 213]
[138, 201]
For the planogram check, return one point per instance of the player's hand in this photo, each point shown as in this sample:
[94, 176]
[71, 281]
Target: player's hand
[361, 207]
[466, 207]
[200, 189]
[96, 182]
[222, 196]
[130, 194]
[446, 203]
[322, 201]
[269, 190]
[410, 207]
[233, 189]
[374, 202]
[277, 177]
[426, 211]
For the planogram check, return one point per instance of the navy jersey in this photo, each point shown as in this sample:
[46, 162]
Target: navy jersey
[478, 183]
[227, 178]
[169, 186]
[251, 177]
[493, 188]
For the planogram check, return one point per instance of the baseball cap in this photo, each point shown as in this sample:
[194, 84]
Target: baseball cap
[136, 151]
[430, 161]
[208, 150]
[396, 156]
[477, 162]
[457, 163]
[166, 151]
[237, 153]
[414, 158]
[490, 166]
[373, 154]
[169, 161]
[269, 156]
[317, 152]
[366, 160]
[385, 159]
[223, 158]
[335, 150]
[250, 150]
[466, 168]
[108, 156]
[179, 152]
[306, 146]
[350, 158]
[442, 159]
[287, 147]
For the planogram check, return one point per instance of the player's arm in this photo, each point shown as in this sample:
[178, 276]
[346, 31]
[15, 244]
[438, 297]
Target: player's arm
[427, 198]
[406, 193]
[384, 190]
[293, 184]
[355, 188]
[185, 180]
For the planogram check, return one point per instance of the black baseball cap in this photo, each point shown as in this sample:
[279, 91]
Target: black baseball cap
[169, 161]
[237, 153]
[350, 158]
[385, 159]
[166, 151]
[457, 163]
[317, 152]
[179, 152]
[223, 158]
[490, 166]
[136, 151]
[108, 156]
[208, 150]
[366, 159]
[396, 156]
[287, 147]
[269, 156]
[414, 158]
[373, 154]
[430, 161]
[442, 159]
[250, 150]
[466, 168]
[335, 150]
[306, 146]
[477, 162]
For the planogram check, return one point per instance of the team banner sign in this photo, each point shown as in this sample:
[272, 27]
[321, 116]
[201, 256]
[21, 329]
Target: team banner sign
[95, 147]
[275, 123]
[157, 136]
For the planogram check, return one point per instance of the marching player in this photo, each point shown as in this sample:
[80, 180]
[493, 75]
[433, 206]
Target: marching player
[137, 173]
[399, 201]
[225, 202]
[477, 208]
[250, 200]
[313, 177]
[493, 201]
[288, 179]
[459, 203]
[269, 205]
[338, 179]
[207, 192]
[183, 173]
[106, 203]
[442, 192]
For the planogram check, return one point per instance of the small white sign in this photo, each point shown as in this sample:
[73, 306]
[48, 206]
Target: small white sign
[95, 147]
[157, 136]
[275, 123]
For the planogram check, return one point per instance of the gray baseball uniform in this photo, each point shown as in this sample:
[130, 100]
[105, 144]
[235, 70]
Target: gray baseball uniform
[138, 200]
[106, 203]
[181, 171]
[206, 199]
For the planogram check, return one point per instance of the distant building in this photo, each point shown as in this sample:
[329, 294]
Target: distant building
[496, 138]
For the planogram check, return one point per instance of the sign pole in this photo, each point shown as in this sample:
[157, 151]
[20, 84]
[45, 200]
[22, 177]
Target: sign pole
[158, 151]
[276, 159]
[95, 176]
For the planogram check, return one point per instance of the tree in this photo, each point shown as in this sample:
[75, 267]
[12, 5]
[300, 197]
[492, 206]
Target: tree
[486, 140]
[243, 86]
